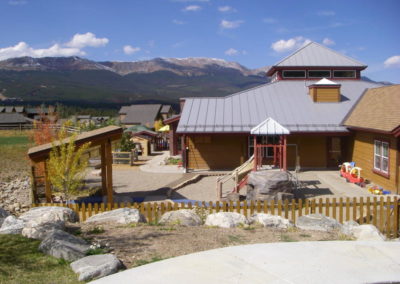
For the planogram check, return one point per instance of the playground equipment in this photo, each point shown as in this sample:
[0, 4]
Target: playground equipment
[345, 169]
[355, 176]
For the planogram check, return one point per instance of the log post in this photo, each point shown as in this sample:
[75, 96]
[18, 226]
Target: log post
[284, 153]
[47, 186]
[109, 172]
[33, 184]
[103, 169]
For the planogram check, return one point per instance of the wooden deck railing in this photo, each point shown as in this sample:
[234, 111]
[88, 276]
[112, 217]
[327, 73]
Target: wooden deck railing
[383, 212]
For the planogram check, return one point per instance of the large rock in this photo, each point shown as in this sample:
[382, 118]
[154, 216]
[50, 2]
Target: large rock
[184, 217]
[61, 244]
[43, 225]
[348, 228]
[226, 220]
[317, 222]
[268, 220]
[3, 214]
[269, 185]
[96, 266]
[12, 225]
[63, 213]
[120, 216]
[367, 233]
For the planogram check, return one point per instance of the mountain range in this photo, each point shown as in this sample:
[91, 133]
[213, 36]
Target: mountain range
[164, 80]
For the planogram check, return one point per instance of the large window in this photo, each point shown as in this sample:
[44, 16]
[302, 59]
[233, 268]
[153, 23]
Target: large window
[294, 74]
[267, 152]
[381, 157]
[344, 74]
[319, 74]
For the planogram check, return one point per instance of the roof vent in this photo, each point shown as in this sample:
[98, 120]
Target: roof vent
[325, 91]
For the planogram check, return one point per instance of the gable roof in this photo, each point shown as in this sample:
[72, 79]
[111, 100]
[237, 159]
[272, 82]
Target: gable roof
[377, 109]
[142, 114]
[315, 54]
[269, 127]
[13, 117]
[287, 101]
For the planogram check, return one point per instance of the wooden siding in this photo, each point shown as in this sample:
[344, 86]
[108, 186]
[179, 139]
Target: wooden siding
[312, 151]
[216, 152]
[325, 95]
[363, 155]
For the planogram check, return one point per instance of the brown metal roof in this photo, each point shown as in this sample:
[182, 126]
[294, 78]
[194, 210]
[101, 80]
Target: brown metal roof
[95, 136]
[378, 109]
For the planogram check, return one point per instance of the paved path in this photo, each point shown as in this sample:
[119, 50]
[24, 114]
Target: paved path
[302, 262]
[154, 165]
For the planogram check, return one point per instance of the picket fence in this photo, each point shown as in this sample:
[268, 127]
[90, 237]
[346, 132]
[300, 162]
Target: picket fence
[383, 212]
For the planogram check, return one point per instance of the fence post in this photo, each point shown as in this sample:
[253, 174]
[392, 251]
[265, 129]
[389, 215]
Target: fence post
[396, 217]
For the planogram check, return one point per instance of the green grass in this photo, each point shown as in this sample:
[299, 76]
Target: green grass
[21, 262]
[14, 161]
[144, 261]
[287, 238]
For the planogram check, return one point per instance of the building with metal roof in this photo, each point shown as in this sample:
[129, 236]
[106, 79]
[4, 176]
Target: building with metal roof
[311, 93]
[144, 114]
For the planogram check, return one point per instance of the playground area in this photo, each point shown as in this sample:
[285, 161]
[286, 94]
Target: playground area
[151, 180]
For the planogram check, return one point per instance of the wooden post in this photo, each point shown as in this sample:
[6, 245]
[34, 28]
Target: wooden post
[47, 183]
[103, 169]
[284, 153]
[109, 172]
[255, 154]
[34, 185]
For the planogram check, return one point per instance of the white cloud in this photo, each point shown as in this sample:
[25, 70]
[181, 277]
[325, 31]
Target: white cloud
[328, 41]
[23, 49]
[393, 61]
[326, 13]
[226, 9]
[177, 22]
[128, 49]
[231, 52]
[290, 44]
[192, 8]
[230, 24]
[269, 20]
[72, 48]
[87, 39]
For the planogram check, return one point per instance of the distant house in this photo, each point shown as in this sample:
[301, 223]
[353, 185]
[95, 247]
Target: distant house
[14, 120]
[88, 119]
[144, 114]
[36, 112]
[375, 122]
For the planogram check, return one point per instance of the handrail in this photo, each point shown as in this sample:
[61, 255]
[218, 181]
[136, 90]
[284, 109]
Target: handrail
[234, 175]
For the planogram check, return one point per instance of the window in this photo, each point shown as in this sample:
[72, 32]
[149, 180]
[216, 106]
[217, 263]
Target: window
[381, 157]
[344, 74]
[319, 74]
[267, 152]
[294, 74]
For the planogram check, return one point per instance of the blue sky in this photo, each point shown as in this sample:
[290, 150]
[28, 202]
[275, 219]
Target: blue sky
[253, 33]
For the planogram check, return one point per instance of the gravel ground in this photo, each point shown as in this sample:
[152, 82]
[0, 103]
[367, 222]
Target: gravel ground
[137, 245]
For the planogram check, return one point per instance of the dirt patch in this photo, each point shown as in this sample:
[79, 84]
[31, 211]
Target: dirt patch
[141, 244]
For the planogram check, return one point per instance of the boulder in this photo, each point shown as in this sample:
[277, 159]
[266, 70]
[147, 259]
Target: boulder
[269, 185]
[317, 222]
[184, 217]
[61, 244]
[64, 213]
[12, 225]
[120, 216]
[226, 220]
[268, 220]
[43, 225]
[348, 228]
[367, 233]
[3, 214]
[96, 266]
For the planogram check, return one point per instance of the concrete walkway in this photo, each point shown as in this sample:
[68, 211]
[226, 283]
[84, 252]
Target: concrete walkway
[302, 262]
[155, 165]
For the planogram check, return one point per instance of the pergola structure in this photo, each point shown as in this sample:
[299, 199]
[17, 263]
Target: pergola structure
[270, 127]
[102, 137]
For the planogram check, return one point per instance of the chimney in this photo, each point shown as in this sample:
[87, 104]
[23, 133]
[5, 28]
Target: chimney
[325, 91]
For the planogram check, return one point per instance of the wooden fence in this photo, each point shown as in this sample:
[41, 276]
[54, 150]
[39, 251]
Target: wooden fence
[381, 212]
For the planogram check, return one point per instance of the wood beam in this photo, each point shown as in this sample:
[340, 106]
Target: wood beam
[47, 186]
[103, 169]
[34, 184]
[284, 153]
[109, 172]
